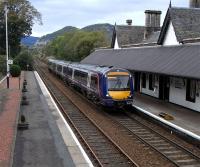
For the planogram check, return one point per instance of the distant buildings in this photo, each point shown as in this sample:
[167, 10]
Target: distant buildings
[165, 61]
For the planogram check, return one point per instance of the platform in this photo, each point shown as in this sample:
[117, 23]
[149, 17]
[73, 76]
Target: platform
[49, 141]
[185, 121]
[9, 110]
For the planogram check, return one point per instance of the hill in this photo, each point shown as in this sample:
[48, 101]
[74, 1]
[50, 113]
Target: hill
[55, 34]
[106, 28]
[29, 41]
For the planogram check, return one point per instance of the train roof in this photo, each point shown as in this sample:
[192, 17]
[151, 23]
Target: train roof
[60, 62]
[89, 67]
[85, 67]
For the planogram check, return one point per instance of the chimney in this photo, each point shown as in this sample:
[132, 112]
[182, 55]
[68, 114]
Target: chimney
[194, 3]
[129, 22]
[152, 22]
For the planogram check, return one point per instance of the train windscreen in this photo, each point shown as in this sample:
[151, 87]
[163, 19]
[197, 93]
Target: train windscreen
[117, 82]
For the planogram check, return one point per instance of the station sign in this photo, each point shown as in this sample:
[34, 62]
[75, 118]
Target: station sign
[10, 61]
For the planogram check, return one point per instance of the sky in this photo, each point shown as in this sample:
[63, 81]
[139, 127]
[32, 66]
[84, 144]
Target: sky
[57, 14]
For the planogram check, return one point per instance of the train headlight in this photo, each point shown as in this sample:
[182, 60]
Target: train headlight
[107, 95]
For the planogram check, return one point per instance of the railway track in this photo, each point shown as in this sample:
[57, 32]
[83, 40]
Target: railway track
[129, 128]
[104, 151]
[174, 152]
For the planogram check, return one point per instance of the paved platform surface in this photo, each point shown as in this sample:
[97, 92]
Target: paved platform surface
[184, 119]
[9, 109]
[47, 142]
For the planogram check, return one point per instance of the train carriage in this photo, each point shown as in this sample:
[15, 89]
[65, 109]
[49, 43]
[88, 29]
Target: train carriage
[105, 85]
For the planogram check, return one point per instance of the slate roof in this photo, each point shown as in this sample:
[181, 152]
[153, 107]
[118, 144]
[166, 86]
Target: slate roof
[153, 38]
[128, 34]
[186, 23]
[181, 60]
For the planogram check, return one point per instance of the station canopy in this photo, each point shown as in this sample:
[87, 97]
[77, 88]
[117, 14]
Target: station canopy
[181, 61]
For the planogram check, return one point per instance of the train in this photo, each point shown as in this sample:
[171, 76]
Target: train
[104, 85]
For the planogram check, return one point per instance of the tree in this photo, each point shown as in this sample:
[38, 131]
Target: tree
[74, 46]
[88, 43]
[23, 59]
[21, 17]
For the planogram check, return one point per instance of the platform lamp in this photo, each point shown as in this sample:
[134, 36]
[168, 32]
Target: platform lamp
[6, 19]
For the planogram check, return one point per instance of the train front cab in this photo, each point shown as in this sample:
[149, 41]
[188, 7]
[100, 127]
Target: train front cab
[118, 89]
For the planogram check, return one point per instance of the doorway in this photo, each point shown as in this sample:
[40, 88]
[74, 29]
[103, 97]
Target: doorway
[137, 81]
[164, 85]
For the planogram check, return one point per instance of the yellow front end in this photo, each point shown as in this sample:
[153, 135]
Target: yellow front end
[119, 95]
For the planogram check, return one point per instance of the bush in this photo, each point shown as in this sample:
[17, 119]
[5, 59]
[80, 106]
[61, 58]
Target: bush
[24, 59]
[15, 70]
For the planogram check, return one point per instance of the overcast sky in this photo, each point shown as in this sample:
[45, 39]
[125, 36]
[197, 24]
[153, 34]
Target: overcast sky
[57, 14]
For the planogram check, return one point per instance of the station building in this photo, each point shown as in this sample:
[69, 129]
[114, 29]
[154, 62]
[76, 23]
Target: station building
[165, 61]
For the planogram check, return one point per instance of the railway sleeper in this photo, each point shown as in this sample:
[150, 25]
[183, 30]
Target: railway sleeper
[164, 148]
[169, 152]
[194, 165]
[150, 138]
[191, 160]
[116, 162]
[141, 133]
[96, 142]
[155, 141]
[179, 156]
[113, 157]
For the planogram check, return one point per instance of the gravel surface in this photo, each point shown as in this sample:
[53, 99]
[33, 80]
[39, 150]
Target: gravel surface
[167, 133]
[134, 148]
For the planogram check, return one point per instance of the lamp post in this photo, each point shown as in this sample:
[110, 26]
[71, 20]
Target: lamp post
[7, 69]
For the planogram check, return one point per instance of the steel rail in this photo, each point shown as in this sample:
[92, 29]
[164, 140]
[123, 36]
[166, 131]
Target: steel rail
[68, 118]
[159, 135]
[168, 140]
[113, 142]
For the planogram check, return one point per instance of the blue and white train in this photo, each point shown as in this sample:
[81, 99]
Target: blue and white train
[108, 86]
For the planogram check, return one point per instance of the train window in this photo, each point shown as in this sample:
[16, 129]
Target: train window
[94, 82]
[80, 76]
[54, 66]
[59, 68]
[143, 80]
[65, 70]
[84, 78]
[118, 82]
[76, 75]
[69, 71]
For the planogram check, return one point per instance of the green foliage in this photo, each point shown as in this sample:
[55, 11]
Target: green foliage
[2, 65]
[15, 70]
[60, 32]
[74, 46]
[24, 59]
[21, 17]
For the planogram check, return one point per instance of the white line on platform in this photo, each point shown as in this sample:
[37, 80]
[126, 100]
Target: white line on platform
[187, 132]
[2, 79]
[46, 92]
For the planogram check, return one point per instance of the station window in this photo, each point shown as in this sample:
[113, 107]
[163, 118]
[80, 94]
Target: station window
[151, 81]
[143, 80]
[191, 90]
